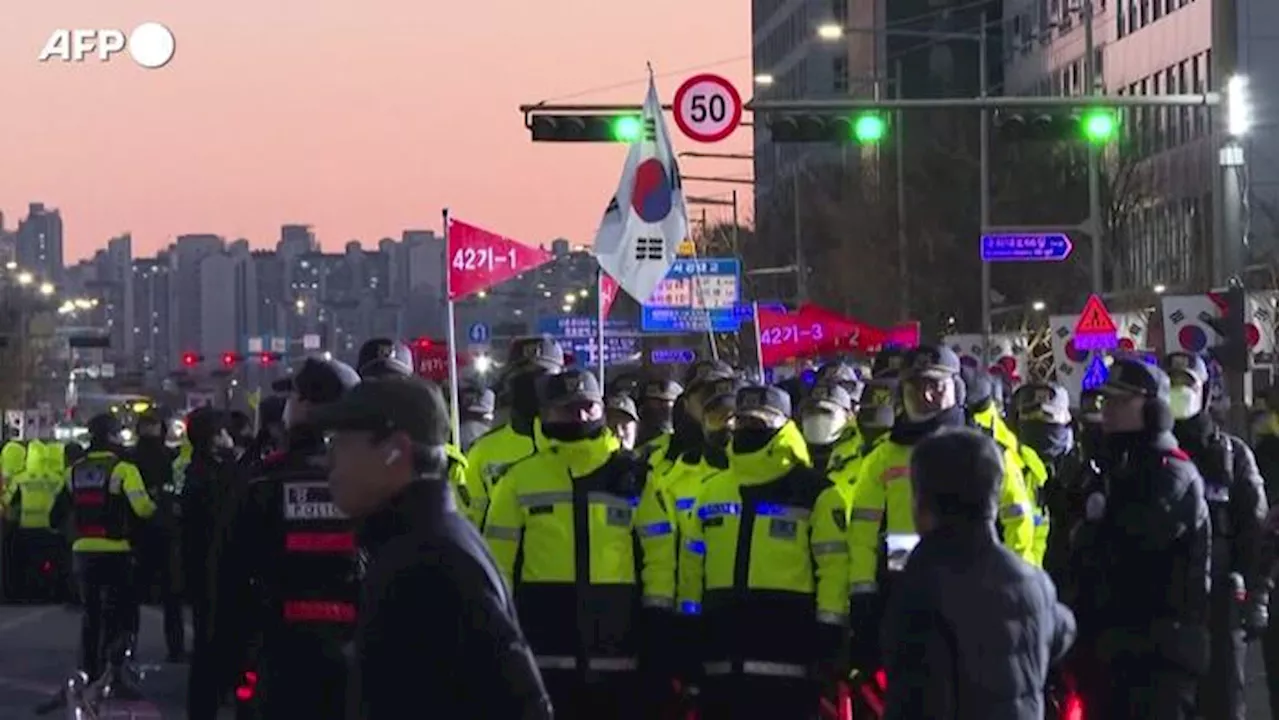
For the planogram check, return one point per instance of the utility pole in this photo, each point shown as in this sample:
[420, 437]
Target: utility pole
[984, 196]
[1095, 221]
[904, 264]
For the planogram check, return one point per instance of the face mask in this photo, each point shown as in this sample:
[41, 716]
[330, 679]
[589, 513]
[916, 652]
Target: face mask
[917, 413]
[821, 428]
[524, 395]
[1185, 402]
[1047, 439]
[749, 440]
[718, 438]
[573, 431]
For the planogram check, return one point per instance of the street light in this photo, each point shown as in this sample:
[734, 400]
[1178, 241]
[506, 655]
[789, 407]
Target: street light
[1159, 289]
[764, 80]
[26, 278]
[1038, 306]
[830, 32]
[1239, 114]
[46, 289]
[11, 265]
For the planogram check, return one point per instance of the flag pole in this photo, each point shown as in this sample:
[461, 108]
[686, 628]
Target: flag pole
[755, 323]
[455, 416]
[600, 322]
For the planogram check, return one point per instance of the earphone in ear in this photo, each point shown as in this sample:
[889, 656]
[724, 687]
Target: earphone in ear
[392, 457]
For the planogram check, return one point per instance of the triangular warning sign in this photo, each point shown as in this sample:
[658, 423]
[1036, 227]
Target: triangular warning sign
[1095, 375]
[1095, 319]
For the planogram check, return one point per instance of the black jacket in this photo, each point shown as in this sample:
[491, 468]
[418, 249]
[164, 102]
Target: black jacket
[1145, 561]
[971, 630]
[438, 633]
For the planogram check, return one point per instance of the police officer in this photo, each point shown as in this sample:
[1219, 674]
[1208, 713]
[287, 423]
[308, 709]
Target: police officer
[1145, 559]
[824, 417]
[657, 403]
[381, 358]
[765, 559]
[106, 500]
[157, 557]
[589, 550]
[28, 498]
[873, 418]
[843, 374]
[287, 573]
[1238, 510]
[933, 398]
[476, 406]
[528, 360]
[622, 419]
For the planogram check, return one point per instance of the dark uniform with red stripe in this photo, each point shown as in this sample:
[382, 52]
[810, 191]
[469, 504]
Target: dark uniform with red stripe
[289, 579]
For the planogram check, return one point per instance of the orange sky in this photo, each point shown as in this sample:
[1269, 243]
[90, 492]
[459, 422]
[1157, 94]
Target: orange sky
[361, 118]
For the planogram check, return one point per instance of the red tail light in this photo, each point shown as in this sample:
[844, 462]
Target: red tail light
[46, 567]
[1073, 707]
[882, 680]
[248, 686]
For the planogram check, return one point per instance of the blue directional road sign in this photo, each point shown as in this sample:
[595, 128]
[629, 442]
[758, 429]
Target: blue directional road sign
[690, 320]
[672, 356]
[1032, 247]
[581, 326]
[478, 333]
[1095, 375]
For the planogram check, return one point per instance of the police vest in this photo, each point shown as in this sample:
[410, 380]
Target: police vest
[100, 507]
[317, 584]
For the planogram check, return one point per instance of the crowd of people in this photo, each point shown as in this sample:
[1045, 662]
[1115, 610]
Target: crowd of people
[905, 539]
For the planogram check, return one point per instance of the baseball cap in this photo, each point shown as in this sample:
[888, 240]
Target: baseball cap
[477, 400]
[384, 356]
[535, 352]
[571, 386]
[1187, 365]
[887, 363]
[878, 403]
[667, 390]
[830, 397]
[706, 370]
[837, 372]
[319, 381]
[721, 391]
[767, 403]
[1091, 405]
[396, 403]
[622, 403]
[1043, 401]
[1135, 377]
[930, 361]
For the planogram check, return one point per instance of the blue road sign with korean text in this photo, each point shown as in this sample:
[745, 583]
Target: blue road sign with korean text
[691, 320]
[1030, 247]
[697, 294]
[580, 326]
[672, 356]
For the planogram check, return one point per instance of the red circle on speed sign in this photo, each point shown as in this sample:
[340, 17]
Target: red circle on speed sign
[707, 108]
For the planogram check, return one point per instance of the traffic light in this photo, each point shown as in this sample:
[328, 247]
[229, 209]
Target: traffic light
[865, 128]
[1096, 126]
[267, 359]
[422, 344]
[587, 128]
[230, 359]
[190, 359]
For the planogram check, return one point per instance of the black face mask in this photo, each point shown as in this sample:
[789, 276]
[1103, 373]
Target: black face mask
[524, 395]
[573, 431]
[719, 438]
[749, 440]
[1047, 439]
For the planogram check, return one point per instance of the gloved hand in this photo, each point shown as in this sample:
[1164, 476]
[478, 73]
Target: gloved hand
[1254, 617]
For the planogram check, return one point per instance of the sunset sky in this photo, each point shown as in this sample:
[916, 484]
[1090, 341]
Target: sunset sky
[360, 118]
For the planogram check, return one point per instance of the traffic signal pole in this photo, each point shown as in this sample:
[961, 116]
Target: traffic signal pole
[1095, 189]
[984, 199]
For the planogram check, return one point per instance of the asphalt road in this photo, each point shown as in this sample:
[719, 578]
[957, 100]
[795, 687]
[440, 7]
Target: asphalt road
[38, 651]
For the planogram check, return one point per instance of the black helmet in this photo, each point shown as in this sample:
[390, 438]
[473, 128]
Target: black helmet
[380, 357]
[319, 381]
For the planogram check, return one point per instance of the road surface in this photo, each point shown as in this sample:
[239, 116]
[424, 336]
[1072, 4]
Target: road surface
[38, 651]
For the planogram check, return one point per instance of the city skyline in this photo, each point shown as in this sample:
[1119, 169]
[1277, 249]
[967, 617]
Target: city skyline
[332, 117]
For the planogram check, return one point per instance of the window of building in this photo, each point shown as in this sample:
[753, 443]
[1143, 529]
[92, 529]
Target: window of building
[840, 73]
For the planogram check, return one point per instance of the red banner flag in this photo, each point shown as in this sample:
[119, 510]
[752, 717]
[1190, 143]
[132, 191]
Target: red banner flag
[607, 291]
[479, 259]
[785, 336]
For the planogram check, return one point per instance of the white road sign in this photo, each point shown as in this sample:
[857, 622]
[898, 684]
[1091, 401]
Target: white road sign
[707, 108]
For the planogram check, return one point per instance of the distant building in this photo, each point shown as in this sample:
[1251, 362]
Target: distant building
[39, 243]
[152, 301]
[227, 323]
[185, 257]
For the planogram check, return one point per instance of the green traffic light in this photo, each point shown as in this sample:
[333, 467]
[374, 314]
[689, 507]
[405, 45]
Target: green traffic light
[869, 128]
[628, 128]
[1099, 126]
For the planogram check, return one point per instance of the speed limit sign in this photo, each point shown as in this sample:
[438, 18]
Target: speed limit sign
[707, 108]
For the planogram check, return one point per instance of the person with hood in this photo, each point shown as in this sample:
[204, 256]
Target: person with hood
[657, 404]
[105, 499]
[764, 562]
[528, 360]
[1238, 511]
[28, 499]
[476, 407]
[1144, 556]
[588, 547]
[933, 397]
[158, 540]
[824, 419]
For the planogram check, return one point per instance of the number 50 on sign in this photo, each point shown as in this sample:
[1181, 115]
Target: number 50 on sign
[707, 108]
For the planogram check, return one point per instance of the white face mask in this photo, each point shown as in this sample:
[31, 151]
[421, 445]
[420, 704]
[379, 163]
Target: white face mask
[822, 428]
[1185, 402]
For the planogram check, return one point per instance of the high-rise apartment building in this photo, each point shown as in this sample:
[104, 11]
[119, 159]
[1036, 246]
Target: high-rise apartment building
[185, 256]
[152, 300]
[230, 316]
[38, 245]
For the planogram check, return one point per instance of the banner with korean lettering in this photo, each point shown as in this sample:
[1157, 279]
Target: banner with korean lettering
[607, 292]
[480, 259]
[787, 335]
